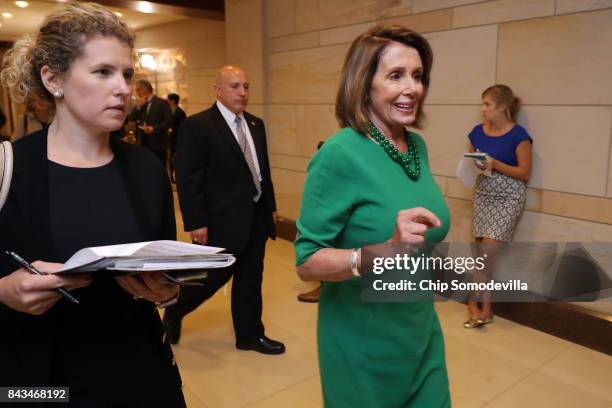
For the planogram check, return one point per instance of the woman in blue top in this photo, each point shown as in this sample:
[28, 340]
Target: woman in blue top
[500, 197]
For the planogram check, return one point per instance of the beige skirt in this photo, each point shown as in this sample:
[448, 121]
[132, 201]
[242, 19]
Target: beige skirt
[498, 204]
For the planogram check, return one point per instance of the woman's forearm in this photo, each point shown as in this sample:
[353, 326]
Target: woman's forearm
[516, 172]
[327, 264]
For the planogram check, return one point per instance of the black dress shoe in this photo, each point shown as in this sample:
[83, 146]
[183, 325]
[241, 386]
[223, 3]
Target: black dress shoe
[263, 345]
[172, 327]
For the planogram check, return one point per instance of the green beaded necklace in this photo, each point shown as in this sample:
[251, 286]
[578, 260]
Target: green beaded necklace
[403, 159]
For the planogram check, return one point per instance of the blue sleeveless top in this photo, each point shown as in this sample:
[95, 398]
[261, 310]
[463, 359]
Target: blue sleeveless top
[502, 148]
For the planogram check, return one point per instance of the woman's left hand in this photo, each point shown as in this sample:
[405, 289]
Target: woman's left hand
[150, 286]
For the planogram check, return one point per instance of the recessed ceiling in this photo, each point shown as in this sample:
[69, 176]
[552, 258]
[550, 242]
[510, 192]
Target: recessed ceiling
[27, 20]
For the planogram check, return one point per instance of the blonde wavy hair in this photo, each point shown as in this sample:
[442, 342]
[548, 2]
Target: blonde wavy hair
[59, 41]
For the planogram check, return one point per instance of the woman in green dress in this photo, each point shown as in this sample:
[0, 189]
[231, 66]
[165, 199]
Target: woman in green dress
[371, 183]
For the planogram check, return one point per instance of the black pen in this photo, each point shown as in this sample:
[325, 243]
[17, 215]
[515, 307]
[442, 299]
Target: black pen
[28, 266]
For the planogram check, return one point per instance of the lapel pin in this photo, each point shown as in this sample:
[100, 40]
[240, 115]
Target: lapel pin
[253, 123]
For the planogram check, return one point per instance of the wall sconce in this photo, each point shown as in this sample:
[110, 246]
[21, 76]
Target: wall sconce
[148, 61]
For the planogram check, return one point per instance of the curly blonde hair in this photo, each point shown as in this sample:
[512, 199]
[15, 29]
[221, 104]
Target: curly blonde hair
[60, 40]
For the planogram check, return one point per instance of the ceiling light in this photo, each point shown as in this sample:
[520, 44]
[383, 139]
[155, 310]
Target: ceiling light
[144, 6]
[118, 14]
[22, 4]
[7, 15]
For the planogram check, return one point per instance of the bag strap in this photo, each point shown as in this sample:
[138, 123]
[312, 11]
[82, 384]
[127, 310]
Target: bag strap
[6, 170]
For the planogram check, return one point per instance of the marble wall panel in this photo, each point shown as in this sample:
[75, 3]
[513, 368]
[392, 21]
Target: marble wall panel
[257, 110]
[307, 15]
[305, 76]
[281, 161]
[551, 228]
[441, 182]
[195, 107]
[419, 6]
[563, 60]
[424, 22]
[464, 64]
[574, 6]
[446, 133]
[346, 34]
[179, 32]
[501, 10]
[280, 17]
[534, 199]
[461, 220]
[609, 194]
[205, 53]
[315, 123]
[456, 189]
[571, 147]
[333, 13]
[288, 187]
[244, 42]
[281, 126]
[215, 29]
[294, 42]
[200, 89]
[435, 21]
[577, 206]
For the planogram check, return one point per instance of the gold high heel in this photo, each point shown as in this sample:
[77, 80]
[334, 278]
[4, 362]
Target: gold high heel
[474, 323]
[471, 323]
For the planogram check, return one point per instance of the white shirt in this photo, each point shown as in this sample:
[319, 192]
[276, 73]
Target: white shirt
[230, 119]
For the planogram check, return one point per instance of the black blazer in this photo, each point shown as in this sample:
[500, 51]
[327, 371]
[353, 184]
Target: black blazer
[177, 117]
[214, 182]
[160, 117]
[29, 344]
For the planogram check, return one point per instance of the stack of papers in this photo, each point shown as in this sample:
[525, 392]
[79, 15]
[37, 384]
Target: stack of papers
[139, 257]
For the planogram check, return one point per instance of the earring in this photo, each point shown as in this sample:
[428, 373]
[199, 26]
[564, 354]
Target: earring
[58, 93]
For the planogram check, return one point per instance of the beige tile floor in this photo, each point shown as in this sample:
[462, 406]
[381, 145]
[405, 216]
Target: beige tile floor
[502, 365]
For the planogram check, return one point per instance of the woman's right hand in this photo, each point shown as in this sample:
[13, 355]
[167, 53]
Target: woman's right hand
[35, 294]
[411, 225]
[480, 164]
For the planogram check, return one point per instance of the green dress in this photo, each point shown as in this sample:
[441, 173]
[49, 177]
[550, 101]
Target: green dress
[371, 354]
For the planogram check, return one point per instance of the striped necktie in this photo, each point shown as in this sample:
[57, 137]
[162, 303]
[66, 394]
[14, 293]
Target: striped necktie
[246, 150]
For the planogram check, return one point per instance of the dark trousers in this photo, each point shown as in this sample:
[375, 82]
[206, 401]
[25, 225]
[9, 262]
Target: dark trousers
[246, 287]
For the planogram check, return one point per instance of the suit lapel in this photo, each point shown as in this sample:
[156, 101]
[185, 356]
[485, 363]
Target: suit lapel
[256, 133]
[149, 109]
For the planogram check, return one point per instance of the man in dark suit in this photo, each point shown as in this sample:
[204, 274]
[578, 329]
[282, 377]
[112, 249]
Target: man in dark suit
[153, 118]
[178, 115]
[227, 200]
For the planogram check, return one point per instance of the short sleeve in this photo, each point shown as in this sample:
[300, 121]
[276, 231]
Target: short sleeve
[329, 194]
[521, 135]
[473, 136]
